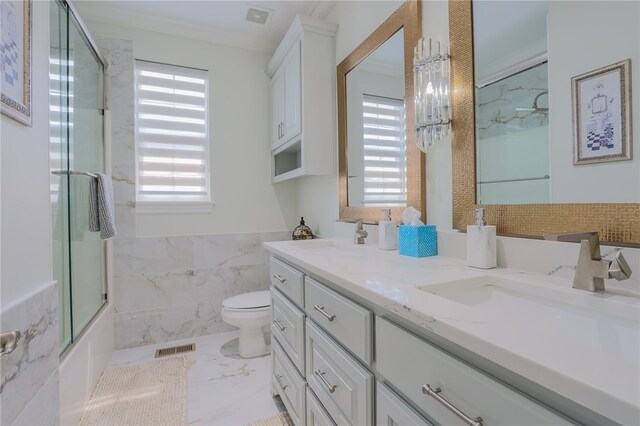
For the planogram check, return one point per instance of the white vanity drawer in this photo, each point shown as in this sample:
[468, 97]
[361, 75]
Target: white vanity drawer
[289, 384]
[288, 326]
[287, 279]
[316, 414]
[343, 386]
[410, 362]
[347, 321]
[392, 410]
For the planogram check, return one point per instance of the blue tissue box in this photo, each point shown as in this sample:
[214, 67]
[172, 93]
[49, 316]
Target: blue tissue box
[418, 241]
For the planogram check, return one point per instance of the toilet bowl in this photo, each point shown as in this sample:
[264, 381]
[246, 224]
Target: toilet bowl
[250, 312]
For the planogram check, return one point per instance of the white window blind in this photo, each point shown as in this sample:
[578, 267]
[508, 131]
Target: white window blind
[385, 154]
[172, 134]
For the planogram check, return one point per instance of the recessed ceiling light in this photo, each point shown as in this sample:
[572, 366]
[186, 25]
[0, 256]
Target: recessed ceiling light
[258, 15]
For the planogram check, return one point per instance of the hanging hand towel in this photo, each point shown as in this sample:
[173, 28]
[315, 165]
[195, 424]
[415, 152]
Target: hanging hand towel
[101, 211]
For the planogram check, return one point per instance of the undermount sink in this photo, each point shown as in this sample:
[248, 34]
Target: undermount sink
[592, 320]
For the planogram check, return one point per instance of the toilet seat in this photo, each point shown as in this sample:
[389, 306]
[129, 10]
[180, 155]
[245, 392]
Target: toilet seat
[248, 302]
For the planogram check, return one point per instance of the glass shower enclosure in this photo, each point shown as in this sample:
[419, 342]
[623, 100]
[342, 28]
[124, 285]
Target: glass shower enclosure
[76, 120]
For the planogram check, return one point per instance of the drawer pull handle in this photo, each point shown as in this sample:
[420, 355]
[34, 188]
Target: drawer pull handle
[279, 278]
[280, 326]
[279, 379]
[435, 394]
[330, 388]
[323, 312]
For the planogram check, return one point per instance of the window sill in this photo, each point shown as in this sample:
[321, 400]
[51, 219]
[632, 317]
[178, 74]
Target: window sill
[177, 207]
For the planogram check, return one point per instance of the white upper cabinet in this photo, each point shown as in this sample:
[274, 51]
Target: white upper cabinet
[303, 129]
[286, 99]
[277, 108]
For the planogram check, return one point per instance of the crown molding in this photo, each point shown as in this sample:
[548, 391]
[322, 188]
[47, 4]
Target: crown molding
[320, 9]
[136, 20]
[299, 25]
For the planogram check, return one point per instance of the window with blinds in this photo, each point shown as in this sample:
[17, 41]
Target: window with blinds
[385, 154]
[172, 134]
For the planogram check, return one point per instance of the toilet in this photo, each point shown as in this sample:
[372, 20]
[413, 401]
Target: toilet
[250, 312]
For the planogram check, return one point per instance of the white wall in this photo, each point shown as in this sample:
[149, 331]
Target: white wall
[583, 48]
[245, 200]
[28, 296]
[435, 24]
[25, 219]
[318, 196]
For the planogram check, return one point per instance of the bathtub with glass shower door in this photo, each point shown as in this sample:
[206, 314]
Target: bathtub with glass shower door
[77, 152]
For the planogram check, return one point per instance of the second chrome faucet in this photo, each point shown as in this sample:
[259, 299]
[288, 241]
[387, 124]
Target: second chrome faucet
[360, 234]
[591, 269]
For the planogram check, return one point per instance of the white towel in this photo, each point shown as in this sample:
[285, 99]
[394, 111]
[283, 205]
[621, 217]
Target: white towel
[101, 211]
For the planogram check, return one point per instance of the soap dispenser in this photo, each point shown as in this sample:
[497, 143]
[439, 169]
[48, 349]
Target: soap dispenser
[481, 243]
[387, 232]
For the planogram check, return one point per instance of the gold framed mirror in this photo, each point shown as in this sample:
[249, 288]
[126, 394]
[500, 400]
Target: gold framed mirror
[407, 187]
[617, 223]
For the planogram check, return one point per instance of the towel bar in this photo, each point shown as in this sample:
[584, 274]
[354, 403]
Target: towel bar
[73, 172]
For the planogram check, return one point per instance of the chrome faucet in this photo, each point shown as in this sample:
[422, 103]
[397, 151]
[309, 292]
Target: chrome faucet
[360, 234]
[592, 270]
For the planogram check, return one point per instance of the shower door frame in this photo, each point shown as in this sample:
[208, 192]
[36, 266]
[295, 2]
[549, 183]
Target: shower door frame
[106, 246]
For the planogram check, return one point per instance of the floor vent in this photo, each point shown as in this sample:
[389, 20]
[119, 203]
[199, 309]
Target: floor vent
[174, 350]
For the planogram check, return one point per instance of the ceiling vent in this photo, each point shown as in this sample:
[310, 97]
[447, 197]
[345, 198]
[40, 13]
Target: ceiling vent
[258, 15]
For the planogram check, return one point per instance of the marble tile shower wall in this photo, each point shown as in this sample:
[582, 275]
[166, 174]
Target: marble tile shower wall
[29, 387]
[168, 288]
[497, 113]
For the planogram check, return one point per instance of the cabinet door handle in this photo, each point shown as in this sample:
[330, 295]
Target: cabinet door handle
[323, 312]
[279, 278]
[279, 379]
[320, 375]
[435, 394]
[280, 326]
[282, 127]
[279, 130]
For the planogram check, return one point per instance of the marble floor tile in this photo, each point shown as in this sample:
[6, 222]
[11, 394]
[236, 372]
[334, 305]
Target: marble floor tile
[223, 389]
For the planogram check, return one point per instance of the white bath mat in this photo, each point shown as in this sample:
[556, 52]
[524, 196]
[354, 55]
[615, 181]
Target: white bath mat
[281, 419]
[153, 393]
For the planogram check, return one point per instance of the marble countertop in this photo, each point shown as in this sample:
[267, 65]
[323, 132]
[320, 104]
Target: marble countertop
[597, 366]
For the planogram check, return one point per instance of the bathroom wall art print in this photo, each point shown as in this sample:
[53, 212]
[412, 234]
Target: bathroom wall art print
[15, 59]
[601, 114]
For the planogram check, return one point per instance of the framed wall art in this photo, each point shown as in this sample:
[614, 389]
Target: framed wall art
[15, 59]
[602, 114]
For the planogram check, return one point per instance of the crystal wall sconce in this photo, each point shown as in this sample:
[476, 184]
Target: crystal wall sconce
[431, 72]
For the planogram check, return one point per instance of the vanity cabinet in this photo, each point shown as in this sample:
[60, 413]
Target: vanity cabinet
[288, 326]
[288, 280]
[316, 414]
[302, 100]
[343, 386]
[392, 410]
[420, 364]
[346, 321]
[334, 376]
[288, 383]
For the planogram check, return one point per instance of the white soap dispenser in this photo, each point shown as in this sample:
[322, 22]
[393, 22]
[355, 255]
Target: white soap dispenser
[481, 243]
[387, 232]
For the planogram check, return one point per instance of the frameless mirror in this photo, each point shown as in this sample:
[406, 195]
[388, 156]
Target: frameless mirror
[376, 152]
[380, 165]
[546, 132]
